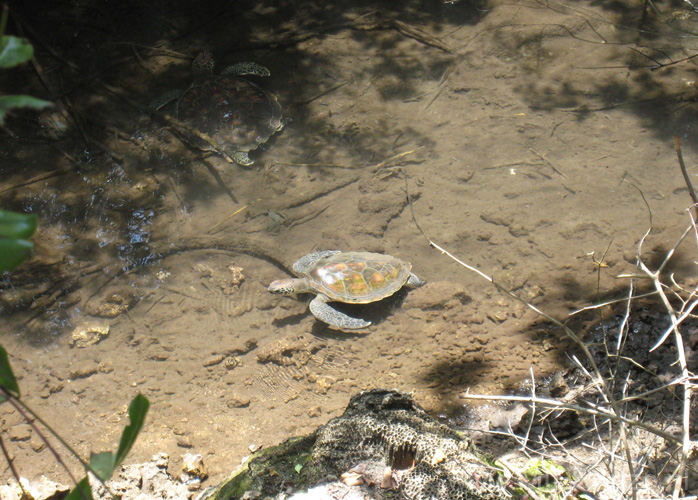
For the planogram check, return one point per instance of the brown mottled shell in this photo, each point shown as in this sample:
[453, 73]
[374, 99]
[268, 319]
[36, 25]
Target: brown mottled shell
[237, 114]
[358, 277]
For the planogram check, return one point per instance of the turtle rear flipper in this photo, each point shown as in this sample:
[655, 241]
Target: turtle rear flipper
[246, 68]
[414, 281]
[241, 158]
[328, 314]
[166, 98]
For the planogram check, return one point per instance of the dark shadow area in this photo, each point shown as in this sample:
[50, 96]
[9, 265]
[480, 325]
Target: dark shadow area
[98, 173]
[643, 62]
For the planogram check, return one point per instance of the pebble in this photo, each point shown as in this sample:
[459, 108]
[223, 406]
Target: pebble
[214, 360]
[85, 371]
[88, 334]
[193, 467]
[237, 401]
[21, 432]
[43, 489]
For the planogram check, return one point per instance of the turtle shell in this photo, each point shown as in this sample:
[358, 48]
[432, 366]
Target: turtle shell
[236, 113]
[358, 277]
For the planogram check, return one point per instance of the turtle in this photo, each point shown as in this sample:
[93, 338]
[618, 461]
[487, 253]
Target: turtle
[351, 277]
[234, 113]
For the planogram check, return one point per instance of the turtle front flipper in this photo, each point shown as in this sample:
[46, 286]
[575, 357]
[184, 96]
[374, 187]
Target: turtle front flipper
[302, 266]
[241, 158]
[328, 314]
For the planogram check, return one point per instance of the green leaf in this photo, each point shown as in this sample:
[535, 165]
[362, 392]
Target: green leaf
[17, 225]
[555, 470]
[298, 468]
[8, 102]
[82, 491]
[537, 467]
[14, 51]
[15, 228]
[7, 377]
[13, 253]
[103, 464]
[137, 411]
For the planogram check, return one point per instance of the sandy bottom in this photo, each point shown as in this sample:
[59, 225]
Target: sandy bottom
[531, 140]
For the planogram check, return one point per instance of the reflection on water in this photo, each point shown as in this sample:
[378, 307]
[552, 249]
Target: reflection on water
[523, 121]
[138, 235]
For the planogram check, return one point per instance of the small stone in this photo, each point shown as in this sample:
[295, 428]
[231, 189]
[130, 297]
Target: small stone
[193, 467]
[242, 348]
[87, 335]
[314, 412]
[232, 362]
[11, 491]
[179, 429]
[497, 316]
[236, 401]
[184, 442]
[236, 277]
[203, 270]
[161, 460]
[117, 304]
[517, 230]
[106, 366]
[43, 489]
[214, 360]
[85, 371]
[109, 310]
[37, 444]
[558, 385]
[162, 275]
[322, 385]
[21, 432]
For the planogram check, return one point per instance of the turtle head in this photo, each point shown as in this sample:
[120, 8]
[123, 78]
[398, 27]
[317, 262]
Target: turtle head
[203, 63]
[283, 287]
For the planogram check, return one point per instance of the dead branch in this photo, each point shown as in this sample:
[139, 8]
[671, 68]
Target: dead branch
[598, 378]
[559, 405]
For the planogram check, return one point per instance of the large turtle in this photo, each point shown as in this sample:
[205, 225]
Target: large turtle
[353, 277]
[234, 113]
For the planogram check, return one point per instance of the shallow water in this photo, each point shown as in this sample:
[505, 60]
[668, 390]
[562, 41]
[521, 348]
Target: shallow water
[530, 137]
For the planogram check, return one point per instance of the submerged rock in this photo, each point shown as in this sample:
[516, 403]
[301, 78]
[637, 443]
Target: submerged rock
[382, 434]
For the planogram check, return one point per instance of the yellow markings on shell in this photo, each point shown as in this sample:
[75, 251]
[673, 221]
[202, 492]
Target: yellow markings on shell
[357, 279]
[375, 279]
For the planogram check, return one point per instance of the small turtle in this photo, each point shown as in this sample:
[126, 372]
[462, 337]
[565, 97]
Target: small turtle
[352, 277]
[235, 113]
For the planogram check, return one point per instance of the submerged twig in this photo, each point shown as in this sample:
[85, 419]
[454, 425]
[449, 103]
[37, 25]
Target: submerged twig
[684, 172]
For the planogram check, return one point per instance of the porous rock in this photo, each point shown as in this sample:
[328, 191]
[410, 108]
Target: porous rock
[148, 481]
[379, 429]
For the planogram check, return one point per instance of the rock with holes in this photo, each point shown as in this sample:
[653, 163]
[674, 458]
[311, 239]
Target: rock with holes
[386, 444]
